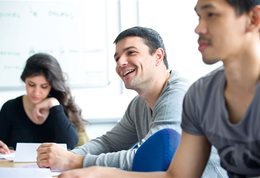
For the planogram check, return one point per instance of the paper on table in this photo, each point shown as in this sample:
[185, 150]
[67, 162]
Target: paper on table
[9, 156]
[26, 152]
[54, 172]
[9, 172]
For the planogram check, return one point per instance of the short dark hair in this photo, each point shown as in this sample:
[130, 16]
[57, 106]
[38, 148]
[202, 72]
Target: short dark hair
[243, 6]
[151, 38]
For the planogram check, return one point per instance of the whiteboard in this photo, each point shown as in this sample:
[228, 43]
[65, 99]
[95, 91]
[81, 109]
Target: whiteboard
[73, 31]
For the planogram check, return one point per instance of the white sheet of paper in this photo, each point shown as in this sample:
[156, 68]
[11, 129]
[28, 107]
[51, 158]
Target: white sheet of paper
[9, 156]
[54, 172]
[26, 152]
[12, 172]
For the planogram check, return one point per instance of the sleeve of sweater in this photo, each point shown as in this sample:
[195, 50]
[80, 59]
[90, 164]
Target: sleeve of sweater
[114, 148]
[64, 130]
[4, 123]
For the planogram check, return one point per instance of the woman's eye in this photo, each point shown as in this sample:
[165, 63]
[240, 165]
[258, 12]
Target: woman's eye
[31, 84]
[45, 86]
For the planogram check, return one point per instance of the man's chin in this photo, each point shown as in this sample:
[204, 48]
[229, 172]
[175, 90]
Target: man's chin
[128, 87]
[210, 61]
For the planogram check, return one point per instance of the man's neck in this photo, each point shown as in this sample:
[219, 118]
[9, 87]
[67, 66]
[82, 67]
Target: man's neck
[151, 95]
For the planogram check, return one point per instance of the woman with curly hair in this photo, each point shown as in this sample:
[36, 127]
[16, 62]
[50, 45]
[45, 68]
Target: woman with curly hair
[46, 113]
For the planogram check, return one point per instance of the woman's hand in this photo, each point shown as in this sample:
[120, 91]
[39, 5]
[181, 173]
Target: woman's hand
[4, 148]
[41, 110]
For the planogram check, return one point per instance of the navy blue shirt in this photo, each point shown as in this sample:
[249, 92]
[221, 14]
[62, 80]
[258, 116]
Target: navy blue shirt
[15, 126]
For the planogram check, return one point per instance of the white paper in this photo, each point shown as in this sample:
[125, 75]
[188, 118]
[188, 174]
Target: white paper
[54, 172]
[12, 172]
[9, 156]
[26, 152]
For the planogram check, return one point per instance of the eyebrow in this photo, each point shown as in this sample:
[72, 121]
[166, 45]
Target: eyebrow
[204, 7]
[30, 81]
[130, 47]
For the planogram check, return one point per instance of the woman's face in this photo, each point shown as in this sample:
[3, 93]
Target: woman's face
[37, 88]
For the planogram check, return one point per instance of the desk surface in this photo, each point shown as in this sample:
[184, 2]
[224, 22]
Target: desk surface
[4, 163]
[7, 163]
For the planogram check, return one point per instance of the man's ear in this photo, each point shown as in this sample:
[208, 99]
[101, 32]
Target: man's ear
[254, 19]
[159, 56]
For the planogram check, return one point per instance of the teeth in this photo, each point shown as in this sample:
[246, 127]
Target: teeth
[128, 71]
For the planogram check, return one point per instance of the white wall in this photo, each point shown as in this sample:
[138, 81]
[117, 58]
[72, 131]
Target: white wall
[174, 20]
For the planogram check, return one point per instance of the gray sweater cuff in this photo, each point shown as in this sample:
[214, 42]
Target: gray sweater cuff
[89, 160]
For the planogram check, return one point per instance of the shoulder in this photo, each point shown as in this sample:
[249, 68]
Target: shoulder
[175, 89]
[208, 83]
[13, 103]
[204, 93]
[177, 81]
[201, 97]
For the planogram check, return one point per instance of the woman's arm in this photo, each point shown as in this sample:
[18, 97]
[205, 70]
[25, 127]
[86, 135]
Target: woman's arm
[64, 130]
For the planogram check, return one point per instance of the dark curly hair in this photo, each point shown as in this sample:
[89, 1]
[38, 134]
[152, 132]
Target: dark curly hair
[47, 65]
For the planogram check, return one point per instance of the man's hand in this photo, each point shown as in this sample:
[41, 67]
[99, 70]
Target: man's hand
[53, 156]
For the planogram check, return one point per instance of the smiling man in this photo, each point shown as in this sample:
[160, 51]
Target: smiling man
[220, 109]
[141, 62]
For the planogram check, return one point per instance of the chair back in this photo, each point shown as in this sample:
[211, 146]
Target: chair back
[156, 153]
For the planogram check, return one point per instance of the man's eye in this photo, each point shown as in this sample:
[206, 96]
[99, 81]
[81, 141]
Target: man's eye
[131, 52]
[211, 15]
